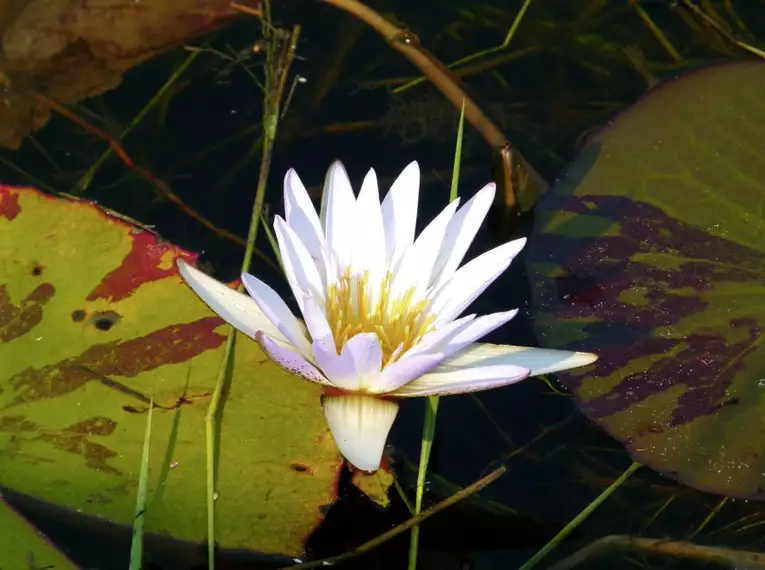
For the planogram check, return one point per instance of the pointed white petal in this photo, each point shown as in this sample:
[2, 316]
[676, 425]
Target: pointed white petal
[475, 330]
[290, 360]
[341, 212]
[441, 382]
[433, 340]
[399, 210]
[538, 360]
[357, 365]
[417, 262]
[325, 198]
[403, 371]
[369, 237]
[360, 426]
[302, 218]
[277, 311]
[234, 307]
[315, 319]
[299, 267]
[460, 233]
[472, 279]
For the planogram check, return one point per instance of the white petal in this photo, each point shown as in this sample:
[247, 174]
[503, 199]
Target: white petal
[404, 371]
[472, 279]
[360, 426]
[315, 319]
[475, 330]
[299, 267]
[539, 360]
[290, 360]
[461, 380]
[277, 311]
[357, 365]
[399, 210]
[341, 212]
[302, 218]
[417, 264]
[433, 340]
[237, 309]
[369, 237]
[460, 234]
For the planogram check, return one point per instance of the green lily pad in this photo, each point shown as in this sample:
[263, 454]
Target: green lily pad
[23, 547]
[650, 251]
[94, 320]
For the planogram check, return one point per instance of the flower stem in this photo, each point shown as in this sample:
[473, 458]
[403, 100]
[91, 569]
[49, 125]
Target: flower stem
[428, 433]
[580, 518]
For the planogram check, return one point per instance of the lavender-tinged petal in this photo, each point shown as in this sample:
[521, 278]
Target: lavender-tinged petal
[291, 360]
[403, 371]
[358, 363]
[274, 307]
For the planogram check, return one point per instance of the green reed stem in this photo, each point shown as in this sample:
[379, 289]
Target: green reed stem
[279, 56]
[428, 433]
[136, 547]
[431, 407]
[580, 518]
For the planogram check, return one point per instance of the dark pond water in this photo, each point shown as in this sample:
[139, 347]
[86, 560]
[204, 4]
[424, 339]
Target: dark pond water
[566, 71]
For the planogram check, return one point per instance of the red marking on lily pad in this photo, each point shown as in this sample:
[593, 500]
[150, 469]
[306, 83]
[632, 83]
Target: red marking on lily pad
[9, 203]
[149, 260]
[650, 251]
[127, 359]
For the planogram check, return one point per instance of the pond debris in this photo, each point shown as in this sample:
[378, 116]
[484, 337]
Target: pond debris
[74, 50]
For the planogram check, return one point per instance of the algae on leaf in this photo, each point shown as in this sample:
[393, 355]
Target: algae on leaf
[94, 320]
[650, 251]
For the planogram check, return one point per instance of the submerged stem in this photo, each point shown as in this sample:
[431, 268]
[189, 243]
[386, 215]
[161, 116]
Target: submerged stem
[580, 518]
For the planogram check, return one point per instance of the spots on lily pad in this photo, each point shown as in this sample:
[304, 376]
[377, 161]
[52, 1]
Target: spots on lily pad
[17, 320]
[301, 468]
[105, 320]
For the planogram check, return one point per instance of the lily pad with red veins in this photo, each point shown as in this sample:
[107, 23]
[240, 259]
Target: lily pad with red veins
[650, 251]
[94, 321]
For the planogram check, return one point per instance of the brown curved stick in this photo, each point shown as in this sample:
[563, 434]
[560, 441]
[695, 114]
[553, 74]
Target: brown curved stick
[408, 45]
[674, 548]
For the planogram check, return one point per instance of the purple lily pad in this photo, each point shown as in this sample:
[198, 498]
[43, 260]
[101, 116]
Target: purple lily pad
[650, 251]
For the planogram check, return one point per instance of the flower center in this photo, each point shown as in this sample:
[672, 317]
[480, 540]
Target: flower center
[399, 322]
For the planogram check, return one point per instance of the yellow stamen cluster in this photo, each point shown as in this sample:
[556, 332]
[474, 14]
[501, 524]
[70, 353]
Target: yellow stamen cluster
[396, 322]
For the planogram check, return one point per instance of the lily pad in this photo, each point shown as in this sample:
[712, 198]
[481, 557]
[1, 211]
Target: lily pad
[94, 320]
[650, 251]
[22, 545]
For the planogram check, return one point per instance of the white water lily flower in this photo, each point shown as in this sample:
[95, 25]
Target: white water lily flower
[381, 309]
